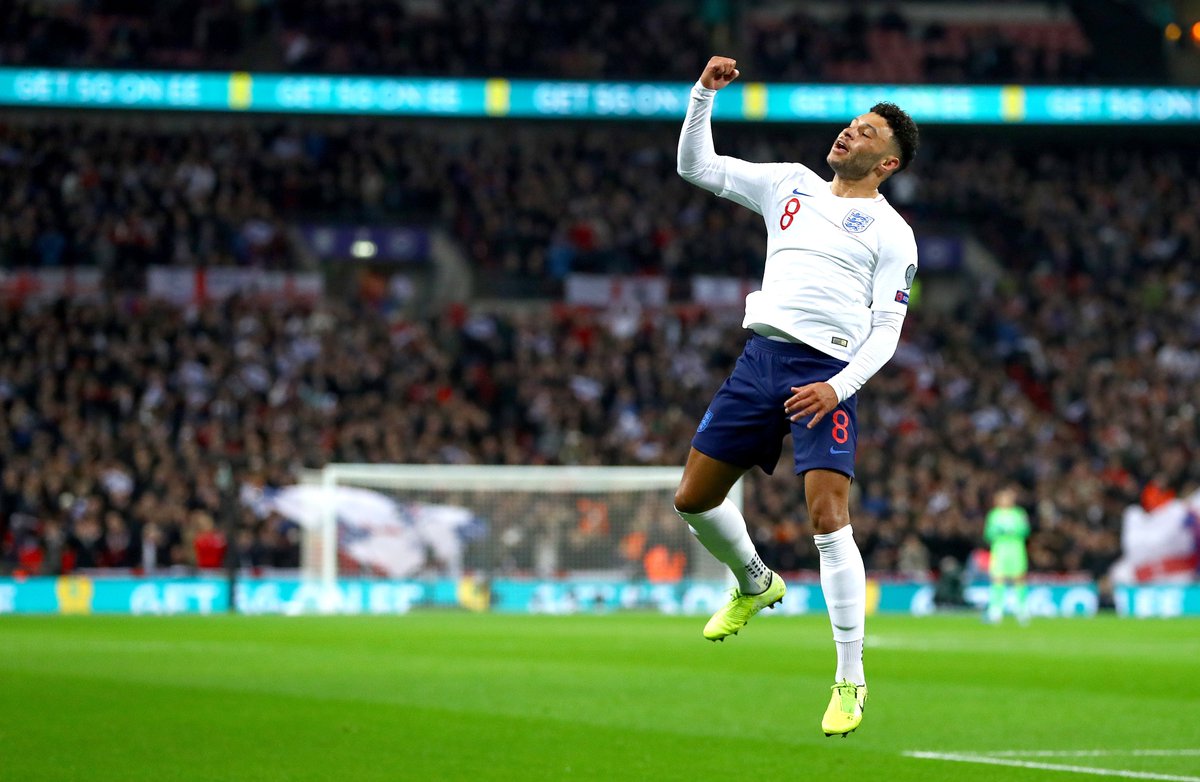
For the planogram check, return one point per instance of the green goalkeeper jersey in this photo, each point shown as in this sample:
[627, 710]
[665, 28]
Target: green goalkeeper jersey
[1006, 531]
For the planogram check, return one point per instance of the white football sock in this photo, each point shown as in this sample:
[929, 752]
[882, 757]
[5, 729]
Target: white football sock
[844, 584]
[722, 531]
[850, 661]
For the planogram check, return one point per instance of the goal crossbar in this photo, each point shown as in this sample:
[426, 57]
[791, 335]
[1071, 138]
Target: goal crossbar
[506, 477]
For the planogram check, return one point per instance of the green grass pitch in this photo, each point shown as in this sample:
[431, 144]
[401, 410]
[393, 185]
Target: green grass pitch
[457, 696]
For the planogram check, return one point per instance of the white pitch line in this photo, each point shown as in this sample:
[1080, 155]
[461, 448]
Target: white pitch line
[1102, 772]
[1093, 753]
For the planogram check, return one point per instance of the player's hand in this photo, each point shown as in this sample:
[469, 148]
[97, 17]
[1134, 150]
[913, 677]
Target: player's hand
[719, 72]
[815, 399]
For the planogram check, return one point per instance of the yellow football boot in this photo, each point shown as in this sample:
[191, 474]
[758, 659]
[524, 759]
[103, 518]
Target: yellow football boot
[734, 615]
[845, 710]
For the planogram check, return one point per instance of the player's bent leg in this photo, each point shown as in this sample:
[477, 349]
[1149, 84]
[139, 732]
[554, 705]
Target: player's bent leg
[845, 711]
[705, 483]
[716, 522]
[733, 616]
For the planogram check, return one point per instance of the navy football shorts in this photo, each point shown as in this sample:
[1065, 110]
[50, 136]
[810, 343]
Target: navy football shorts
[745, 423]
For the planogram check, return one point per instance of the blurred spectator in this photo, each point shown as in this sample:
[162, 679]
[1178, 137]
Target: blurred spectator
[156, 551]
[912, 561]
[209, 542]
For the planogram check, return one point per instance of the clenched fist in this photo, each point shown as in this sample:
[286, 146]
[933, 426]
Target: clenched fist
[719, 72]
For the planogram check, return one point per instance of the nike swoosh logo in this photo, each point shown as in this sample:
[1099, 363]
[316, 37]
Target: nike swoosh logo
[835, 451]
[797, 192]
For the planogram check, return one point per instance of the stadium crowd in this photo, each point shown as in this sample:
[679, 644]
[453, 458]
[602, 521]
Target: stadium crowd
[123, 194]
[1060, 382]
[179, 34]
[123, 197]
[539, 38]
[532, 203]
[121, 421]
[118, 417]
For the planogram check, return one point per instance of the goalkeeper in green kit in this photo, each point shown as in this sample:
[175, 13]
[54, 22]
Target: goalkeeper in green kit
[1006, 530]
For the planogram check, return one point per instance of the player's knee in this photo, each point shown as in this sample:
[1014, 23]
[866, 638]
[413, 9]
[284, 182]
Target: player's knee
[687, 501]
[828, 517]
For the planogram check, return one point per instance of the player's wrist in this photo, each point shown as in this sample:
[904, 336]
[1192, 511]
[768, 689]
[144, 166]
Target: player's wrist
[700, 91]
[840, 388]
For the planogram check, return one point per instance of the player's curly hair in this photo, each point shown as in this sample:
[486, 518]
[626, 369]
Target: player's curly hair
[904, 130]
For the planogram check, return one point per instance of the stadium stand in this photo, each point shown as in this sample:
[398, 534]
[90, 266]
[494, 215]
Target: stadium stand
[621, 40]
[1072, 375]
[129, 34]
[889, 47]
[539, 201]
[130, 407]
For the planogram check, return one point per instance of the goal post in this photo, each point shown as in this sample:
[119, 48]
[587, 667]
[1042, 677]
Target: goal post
[538, 522]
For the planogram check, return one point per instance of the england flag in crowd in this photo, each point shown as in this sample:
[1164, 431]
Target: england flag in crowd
[1160, 545]
[381, 536]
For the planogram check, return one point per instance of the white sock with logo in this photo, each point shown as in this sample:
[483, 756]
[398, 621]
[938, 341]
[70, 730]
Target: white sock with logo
[844, 584]
[722, 531]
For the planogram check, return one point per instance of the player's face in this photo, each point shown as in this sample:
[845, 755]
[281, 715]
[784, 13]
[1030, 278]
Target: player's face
[861, 146]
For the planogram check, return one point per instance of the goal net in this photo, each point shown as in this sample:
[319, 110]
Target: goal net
[435, 522]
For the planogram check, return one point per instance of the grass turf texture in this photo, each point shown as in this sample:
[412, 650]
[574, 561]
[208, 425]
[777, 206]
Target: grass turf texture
[449, 696]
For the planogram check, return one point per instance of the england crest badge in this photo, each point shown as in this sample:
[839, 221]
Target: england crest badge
[856, 222]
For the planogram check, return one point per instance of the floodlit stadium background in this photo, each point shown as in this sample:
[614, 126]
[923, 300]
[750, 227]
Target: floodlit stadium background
[244, 241]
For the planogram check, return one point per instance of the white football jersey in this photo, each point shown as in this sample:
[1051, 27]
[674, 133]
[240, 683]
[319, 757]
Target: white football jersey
[830, 261]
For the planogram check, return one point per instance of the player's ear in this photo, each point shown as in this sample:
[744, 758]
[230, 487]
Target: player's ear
[889, 165]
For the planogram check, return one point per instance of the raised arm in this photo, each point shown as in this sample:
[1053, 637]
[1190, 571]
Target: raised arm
[743, 182]
[698, 161]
